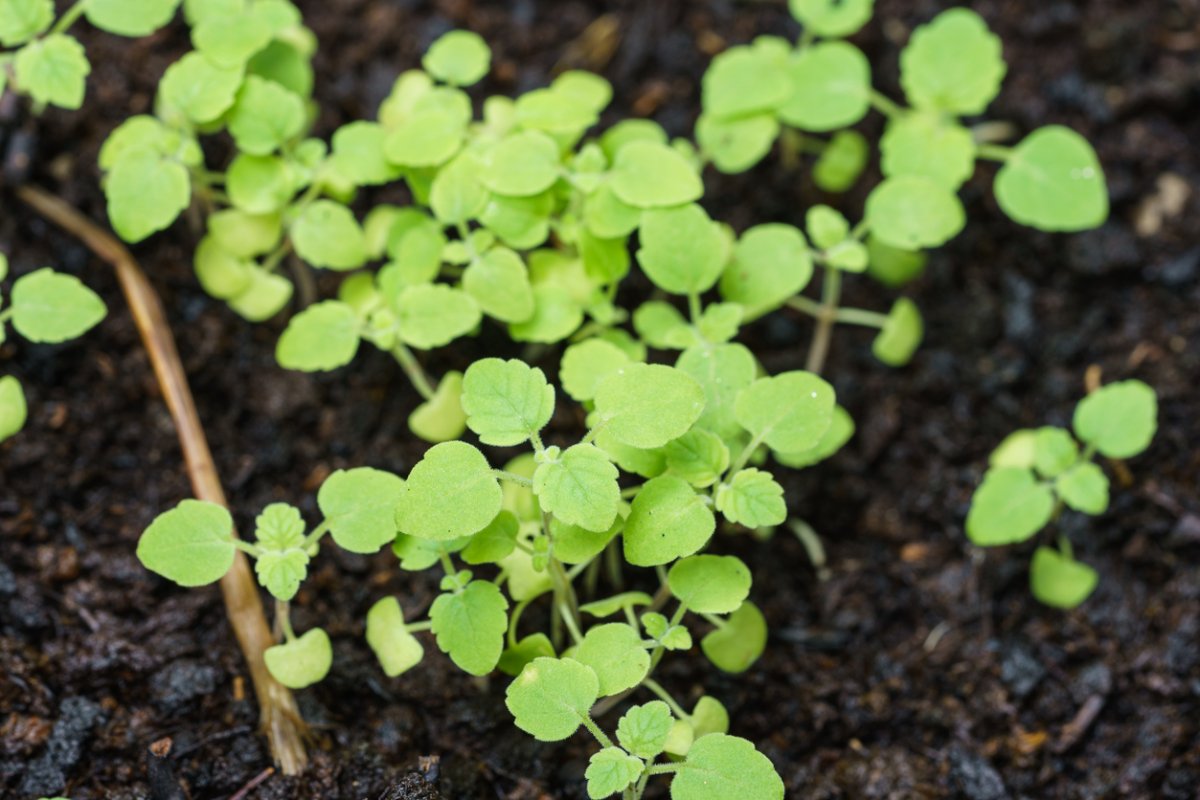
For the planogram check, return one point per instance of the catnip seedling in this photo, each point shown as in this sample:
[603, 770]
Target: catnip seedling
[1035, 474]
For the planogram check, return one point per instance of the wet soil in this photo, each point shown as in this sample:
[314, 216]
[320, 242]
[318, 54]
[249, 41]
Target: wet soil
[919, 668]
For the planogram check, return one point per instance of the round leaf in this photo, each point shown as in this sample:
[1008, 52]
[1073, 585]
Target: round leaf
[48, 306]
[710, 584]
[53, 70]
[615, 653]
[320, 338]
[736, 646]
[397, 650]
[1059, 580]
[579, 487]
[643, 729]
[611, 770]
[265, 116]
[521, 165]
[21, 20]
[13, 410]
[832, 18]
[924, 145]
[1008, 507]
[667, 520]
[723, 371]
[327, 235]
[586, 364]
[743, 81]
[831, 87]
[360, 507]
[753, 499]
[145, 193]
[470, 625]
[736, 145]
[451, 492]
[788, 412]
[648, 405]
[131, 17]
[771, 264]
[954, 64]
[1119, 420]
[302, 661]
[499, 282]
[901, 334]
[912, 213]
[720, 767]
[199, 89]
[550, 698]
[441, 418]
[433, 315]
[1084, 488]
[647, 174]
[192, 544]
[1053, 181]
[459, 58]
[682, 250]
[507, 402]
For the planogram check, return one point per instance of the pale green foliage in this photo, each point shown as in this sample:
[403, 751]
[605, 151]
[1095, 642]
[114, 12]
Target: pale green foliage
[301, 662]
[611, 770]
[360, 507]
[470, 625]
[901, 334]
[21, 20]
[585, 366]
[832, 18]
[131, 17]
[651, 175]
[49, 306]
[550, 698]
[643, 729]
[719, 767]
[579, 486]
[752, 498]
[146, 192]
[710, 584]
[460, 58]
[787, 412]
[615, 653]
[1009, 506]
[13, 410]
[737, 645]
[506, 402]
[929, 146]
[326, 234]
[953, 65]
[1084, 488]
[451, 492]
[1119, 420]
[840, 431]
[1053, 181]
[322, 337]
[264, 116]
[397, 650]
[53, 70]
[441, 418]
[699, 457]
[432, 315]
[668, 520]
[199, 89]
[648, 405]
[831, 87]
[192, 544]
[282, 563]
[682, 250]
[1060, 581]
[771, 263]
[912, 212]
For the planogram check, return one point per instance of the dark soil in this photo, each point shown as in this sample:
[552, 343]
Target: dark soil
[920, 668]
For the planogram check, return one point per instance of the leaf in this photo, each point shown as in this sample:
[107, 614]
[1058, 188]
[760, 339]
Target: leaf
[1060, 581]
[433, 315]
[1017, 450]
[441, 418]
[841, 162]
[682, 250]
[831, 87]
[1053, 181]
[928, 146]
[788, 412]
[451, 492]
[659, 324]
[893, 266]
[229, 39]
[260, 184]
[827, 227]
[723, 371]
[745, 80]
[840, 431]
[912, 213]
[1008, 507]
[145, 193]
[901, 334]
[522, 164]
[710, 584]
[199, 89]
[514, 658]
[53, 70]
[752, 498]
[431, 133]
[21, 20]
[648, 405]
[320, 338]
[49, 306]
[459, 58]
[606, 215]
[771, 264]
[131, 17]
[699, 457]
[264, 117]
[611, 605]
[719, 767]
[720, 322]
[551, 697]
[327, 235]
[615, 653]
[832, 18]
[281, 572]
[301, 662]
[398, 650]
[507, 402]
[555, 112]
[279, 527]
[575, 545]
[604, 260]
[586, 364]
[709, 716]
[521, 222]
[556, 315]
[643, 729]
[953, 64]
[647, 174]
[579, 487]
[667, 520]
[1084, 488]
[735, 145]
[1054, 451]
[358, 154]
[192, 544]
[265, 297]
[494, 542]
[470, 626]
[611, 770]
[13, 410]
[1119, 419]
[736, 646]
[360, 507]
[499, 282]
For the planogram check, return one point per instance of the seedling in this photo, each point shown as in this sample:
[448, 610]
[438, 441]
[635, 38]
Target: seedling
[44, 307]
[1035, 474]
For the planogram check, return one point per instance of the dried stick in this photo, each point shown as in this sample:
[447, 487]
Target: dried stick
[280, 718]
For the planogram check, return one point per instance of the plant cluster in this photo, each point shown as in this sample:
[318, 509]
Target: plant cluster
[44, 307]
[1037, 473]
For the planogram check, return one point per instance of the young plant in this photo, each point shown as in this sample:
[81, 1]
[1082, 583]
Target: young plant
[45, 62]
[1035, 474]
[44, 307]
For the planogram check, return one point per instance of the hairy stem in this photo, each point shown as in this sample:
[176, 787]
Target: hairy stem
[412, 368]
[831, 293]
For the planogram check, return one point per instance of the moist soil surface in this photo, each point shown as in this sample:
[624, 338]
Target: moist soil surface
[917, 667]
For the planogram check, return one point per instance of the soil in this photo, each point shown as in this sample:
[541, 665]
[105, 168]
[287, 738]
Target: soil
[920, 667]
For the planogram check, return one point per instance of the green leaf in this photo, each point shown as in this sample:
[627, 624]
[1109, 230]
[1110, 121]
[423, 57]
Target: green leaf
[953, 64]
[832, 18]
[643, 729]
[710, 584]
[1060, 581]
[507, 402]
[841, 162]
[441, 418]
[398, 650]
[459, 58]
[604, 260]
[752, 498]
[432, 132]
[146, 193]
[668, 520]
[1017, 450]
[470, 626]
[556, 315]
[327, 235]
[433, 315]
[1053, 181]
[279, 527]
[53, 70]
[699, 457]
[499, 282]
[283, 563]
[648, 405]
[521, 222]
[534, 646]
[555, 112]
[21, 20]
[928, 146]
[13, 410]
[723, 371]
[281, 572]
[451, 492]
[646, 174]
[672, 637]
[745, 80]
[245, 234]
[360, 507]
[913, 213]
[49, 306]
[1084, 488]
[1054, 451]
[199, 89]
[659, 324]
[611, 770]
[827, 226]
[358, 154]
[259, 184]
[550, 698]
[831, 87]
[736, 646]
[320, 338]
[788, 412]
[575, 545]
[1008, 507]
[839, 432]
[131, 17]
[520, 165]
[735, 145]
[720, 767]
[607, 216]
[265, 116]
[709, 716]
[1119, 420]
[192, 544]
[457, 195]
[230, 39]
[301, 662]
[682, 250]
[893, 266]
[287, 62]
[586, 364]
[901, 334]
[615, 653]
[579, 487]
[771, 264]
[494, 542]
[611, 605]
[720, 322]
[265, 297]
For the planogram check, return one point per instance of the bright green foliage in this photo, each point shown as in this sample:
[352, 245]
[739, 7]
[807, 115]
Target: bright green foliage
[192, 544]
[648, 405]
[745, 80]
[521, 165]
[146, 192]
[282, 563]
[651, 175]
[551, 698]
[709, 716]
[615, 653]
[788, 412]
[719, 767]
[668, 520]
[901, 334]
[926, 145]
[360, 507]
[953, 65]
[585, 366]
[1053, 181]
[832, 18]
[301, 662]
[322, 337]
[723, 372]
[699, 457]
[492, 544]
[451, 492]
[912, 212]
[710, 584]
[579, 487]
[199, 89]
[1084, 488]
[771, 263]
[327, 235]
[21, 20]
[48, 306]
[131, 17]
[53, 71]
[470, 625]
[459, 58]
[506, 402]
[441, 418]
[831, 87]
[1060, 581]
[264, 116]
[433, 314]
[893, 266]
[683, 251]
[499, 283]
[752, 498]
[1009, 506]
[1118, 420]
[643, 729]
[1054, 451]
[611, 770]
[398, 650]
[842, 161]
[13, 410]
[738, 644]
[840, 431]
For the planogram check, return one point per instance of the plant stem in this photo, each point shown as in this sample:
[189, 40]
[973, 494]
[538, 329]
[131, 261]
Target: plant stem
[279, 716]
[694, 307]
[595, 730]
[884, 105]
[994, 152]
[412, 368]
[421, 625]
[283, 618]
[513, 477]
[70, 16]
[665, 696]
[831, 292]
[316, 534]
[860, 316]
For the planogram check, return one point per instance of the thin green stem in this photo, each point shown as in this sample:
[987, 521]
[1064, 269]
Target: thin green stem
[831, 293]
[694, 309]
[666, 697]
[247, 548]
[70, 16]
[316, 534]
[512, 477]
[595, 730]
[884, 105]
[714, 620]
[664, 769]
[283, 617]
[994, 152]
[569, 621]
[860, 316]
[420, 625]
[412, 368]
[447, 564]
[515, 619]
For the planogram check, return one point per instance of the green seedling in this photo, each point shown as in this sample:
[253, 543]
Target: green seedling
[44, 307]
[1035, 474]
